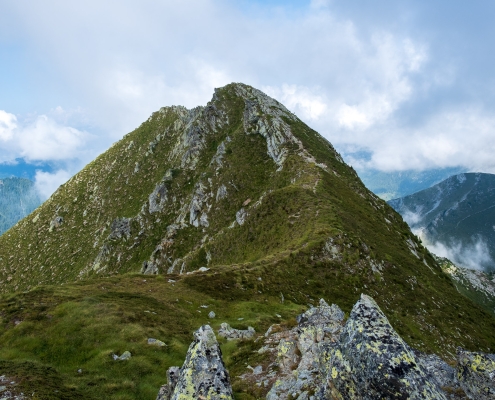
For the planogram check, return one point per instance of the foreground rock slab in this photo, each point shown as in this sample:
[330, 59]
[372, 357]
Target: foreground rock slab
[476, 374]
[203, 375]
[372, 361]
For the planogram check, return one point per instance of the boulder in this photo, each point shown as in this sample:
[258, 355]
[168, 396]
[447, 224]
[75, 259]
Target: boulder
[371, 361]
[230, 333]
[476, 374]
[203, 374]
[302, 353]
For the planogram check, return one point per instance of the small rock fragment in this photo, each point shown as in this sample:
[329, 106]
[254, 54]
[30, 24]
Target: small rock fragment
[156, 342]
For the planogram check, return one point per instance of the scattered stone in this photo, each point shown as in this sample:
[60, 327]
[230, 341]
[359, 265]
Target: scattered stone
[79, 371]
[476, 374]
[203, 269]
[240, 216]
[156, 342]
[203, 374]
[125, 356]
[230, 333]
[56, 222]
[211, 315]
[221, 192]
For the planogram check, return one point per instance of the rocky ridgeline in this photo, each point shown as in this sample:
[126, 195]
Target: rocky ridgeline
[325, 358]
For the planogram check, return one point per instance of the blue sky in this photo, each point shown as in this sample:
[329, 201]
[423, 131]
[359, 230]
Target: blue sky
[409, 84]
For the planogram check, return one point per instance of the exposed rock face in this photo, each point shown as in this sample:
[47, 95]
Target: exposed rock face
[158, 197]
[372, 361]
[439, 370]
[203, 375]
[476, 374]
[121, 227]
[302, 353]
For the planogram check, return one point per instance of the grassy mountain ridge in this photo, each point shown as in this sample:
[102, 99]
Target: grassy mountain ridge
[241, 187]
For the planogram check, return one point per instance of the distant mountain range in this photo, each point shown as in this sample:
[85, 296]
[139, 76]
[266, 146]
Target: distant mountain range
[392, 185]
[455, 218]
[18, 198]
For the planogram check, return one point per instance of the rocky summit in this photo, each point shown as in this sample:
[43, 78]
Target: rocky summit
[238, 216]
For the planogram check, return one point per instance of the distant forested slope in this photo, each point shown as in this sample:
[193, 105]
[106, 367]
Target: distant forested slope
[18, 198]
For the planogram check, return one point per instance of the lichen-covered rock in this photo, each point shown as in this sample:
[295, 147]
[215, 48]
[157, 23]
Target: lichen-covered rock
[476, 374]
[230, 333]
[439, 371]
[372, 361]
[302, 353]
[203, 375]
[166, 390]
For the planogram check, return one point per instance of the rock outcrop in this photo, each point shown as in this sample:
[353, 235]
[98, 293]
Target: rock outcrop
[302, 353]
[476, 374]
[372, 361]
[203, 375]
[324, 359]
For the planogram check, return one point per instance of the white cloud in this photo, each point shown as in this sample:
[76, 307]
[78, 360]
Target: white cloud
[451, 138]
[42, 139]
[472, 256]
[46, 183]
[8, 123]
[303, 101]
[361, 83]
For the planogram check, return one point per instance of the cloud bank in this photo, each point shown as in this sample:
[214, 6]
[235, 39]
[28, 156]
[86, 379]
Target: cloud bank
[402, 82]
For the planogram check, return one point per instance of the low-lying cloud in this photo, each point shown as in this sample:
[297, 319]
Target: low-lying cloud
[474, 255]
[46, 183]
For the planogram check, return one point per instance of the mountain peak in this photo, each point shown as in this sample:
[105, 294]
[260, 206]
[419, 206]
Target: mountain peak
[238, 199]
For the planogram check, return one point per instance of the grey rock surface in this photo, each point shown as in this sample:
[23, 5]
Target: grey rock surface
[476, 374]
[371, 361]
[302, 353]
[444, 374]
[203, 374]
[156, 342]
[121, 227]
[125, 356]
